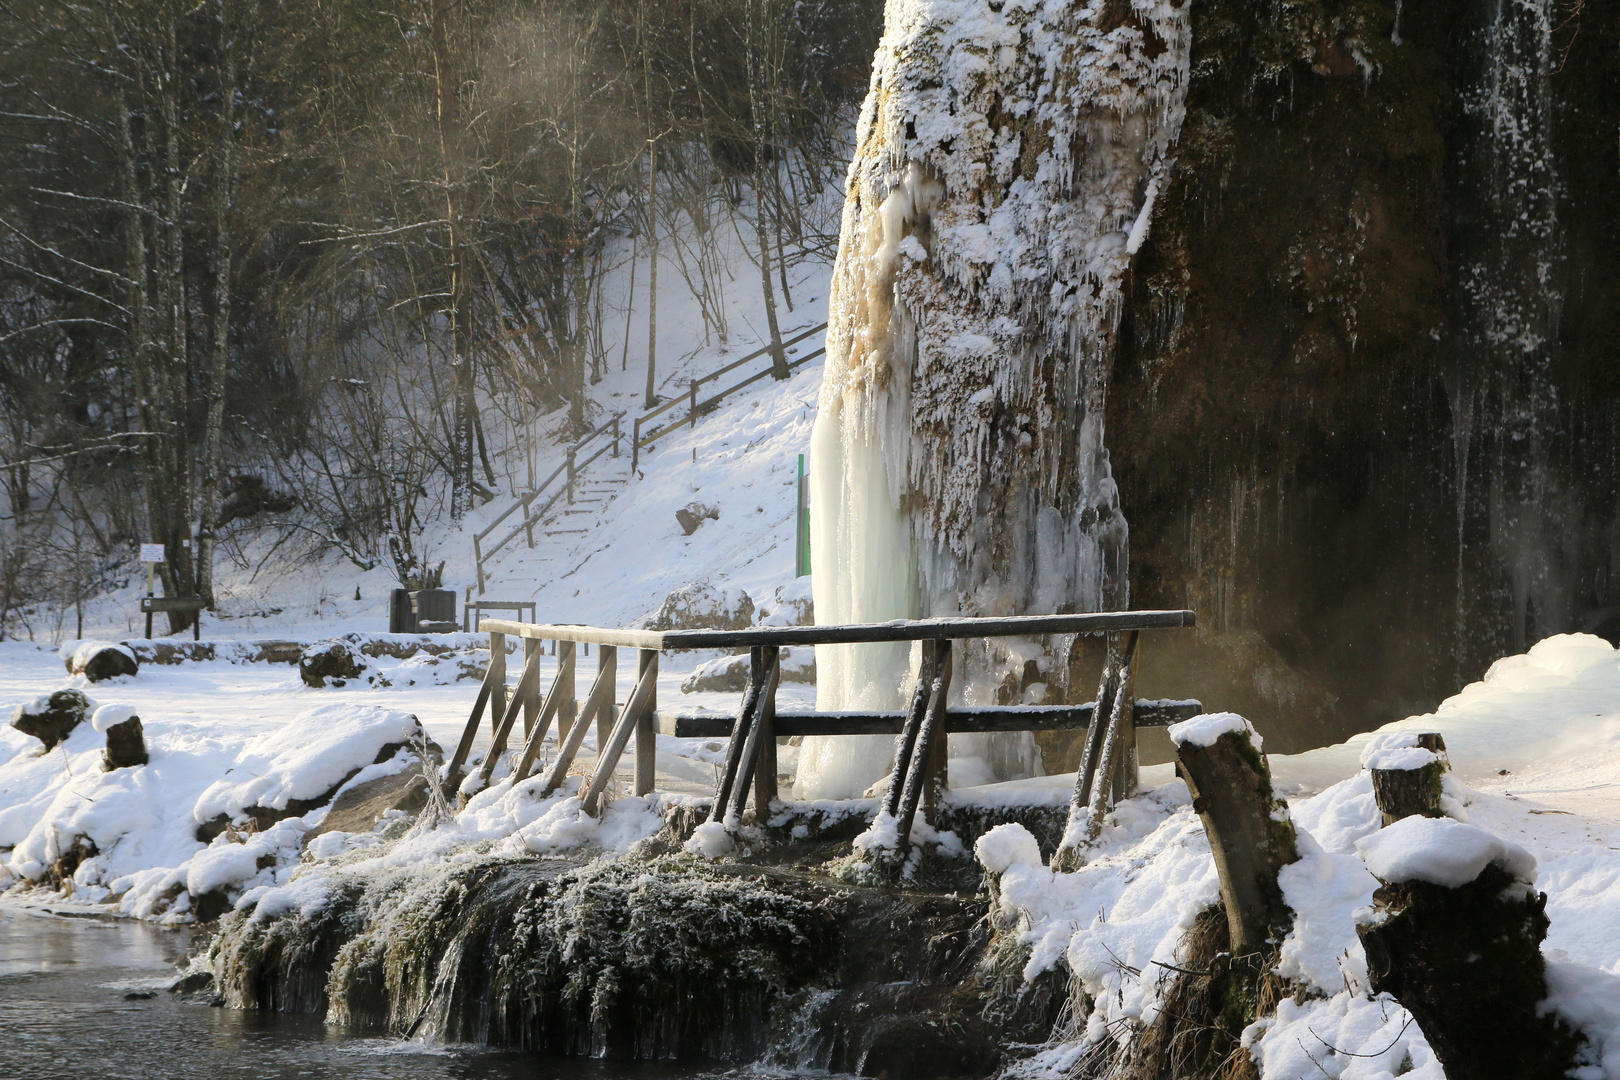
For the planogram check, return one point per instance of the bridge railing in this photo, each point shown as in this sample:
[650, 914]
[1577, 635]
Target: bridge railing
[1108, 768]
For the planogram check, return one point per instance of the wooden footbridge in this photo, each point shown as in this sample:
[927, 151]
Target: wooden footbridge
[1108, 768]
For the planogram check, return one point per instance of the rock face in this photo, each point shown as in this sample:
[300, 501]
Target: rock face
[51, 719]
[701, 606]
[99, 660]
[729, 674]
[1362, 414]
[330, 663]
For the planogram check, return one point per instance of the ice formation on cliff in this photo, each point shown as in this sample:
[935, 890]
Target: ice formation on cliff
[1007, 160]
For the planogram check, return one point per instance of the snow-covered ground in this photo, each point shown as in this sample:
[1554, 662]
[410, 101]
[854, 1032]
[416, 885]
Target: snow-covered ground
[1535, 750]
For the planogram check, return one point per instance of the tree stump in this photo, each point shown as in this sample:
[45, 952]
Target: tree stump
[126, 742]
[1466, 962]
[1249, 829]
[1407, 775]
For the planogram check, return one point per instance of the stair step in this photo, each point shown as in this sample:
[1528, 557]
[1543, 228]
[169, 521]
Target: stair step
[567, 513]
[560, 532]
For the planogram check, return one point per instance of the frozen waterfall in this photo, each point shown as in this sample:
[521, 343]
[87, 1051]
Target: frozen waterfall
[1007, 158]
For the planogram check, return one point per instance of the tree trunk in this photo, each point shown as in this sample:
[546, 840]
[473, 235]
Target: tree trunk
[758, 28]
[219, 353]
[462, 390]
[651, 397]
[1249, 833]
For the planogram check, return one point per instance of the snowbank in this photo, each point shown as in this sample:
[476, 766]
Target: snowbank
[1440, 851]
[1552, 712]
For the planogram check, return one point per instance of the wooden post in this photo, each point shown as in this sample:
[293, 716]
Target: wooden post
[598, 703]
[764, 713]
[739, 734]
[616, 434]
[1403, 792]
[1086, 778]
[646, 728]
[905, 742]
[691, 414]
[1249, 833]
[570, 476]
[497, 666]
[608, 759]
[635, 445]
[528, 519]
[452, 775]
[931, 732]
[531, 704]
[554, 699]
[1128, 759]
[478, 563]
[568, 707]
[1119, 715]
[765, 792]
[527, 682]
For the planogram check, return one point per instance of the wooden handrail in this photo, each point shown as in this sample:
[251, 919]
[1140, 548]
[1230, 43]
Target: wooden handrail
[1097, 622]
[525, 501]
[1108, 770]
[695, 408]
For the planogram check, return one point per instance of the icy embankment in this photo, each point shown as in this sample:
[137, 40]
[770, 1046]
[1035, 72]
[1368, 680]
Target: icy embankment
[1552, 714]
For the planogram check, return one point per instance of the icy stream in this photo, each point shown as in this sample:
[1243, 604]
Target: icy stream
[66, 1011]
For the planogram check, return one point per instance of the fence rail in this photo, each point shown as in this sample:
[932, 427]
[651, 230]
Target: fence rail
[696, 408]
[568, 473]
[1108, 768]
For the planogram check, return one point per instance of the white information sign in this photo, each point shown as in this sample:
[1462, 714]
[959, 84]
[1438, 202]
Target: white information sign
[152, 553]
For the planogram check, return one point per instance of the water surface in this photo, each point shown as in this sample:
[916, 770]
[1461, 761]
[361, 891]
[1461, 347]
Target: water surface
[72, 1005]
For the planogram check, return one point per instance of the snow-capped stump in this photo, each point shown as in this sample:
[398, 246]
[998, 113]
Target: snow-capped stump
[1408, 771]
[331, 663]
[1455, 936]
[126, 742]
[52, 718]
[100, 660]
[1249, 830]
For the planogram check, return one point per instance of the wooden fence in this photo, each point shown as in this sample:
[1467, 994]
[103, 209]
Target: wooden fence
[1108, 768]
[695, 408]
[564, 477]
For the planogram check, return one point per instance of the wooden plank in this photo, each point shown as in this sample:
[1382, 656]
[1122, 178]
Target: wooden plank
[497, 667]
[598, 703]
[929, 735]
[906, 742]
[452, 775]
[739, 734]
[527, 682]
[899, 630]
[770, 663]
[161, 604]
[1086, 775]
[969, 720]
[568, 704]
[646, 777]
[607, 759]
[531, 703]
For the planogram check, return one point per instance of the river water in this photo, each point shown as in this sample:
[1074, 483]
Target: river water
[73, 1004]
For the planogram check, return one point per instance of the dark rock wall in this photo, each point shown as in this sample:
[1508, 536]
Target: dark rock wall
[1364, 409]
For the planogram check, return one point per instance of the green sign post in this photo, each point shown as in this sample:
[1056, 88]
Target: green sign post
[801, 548]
